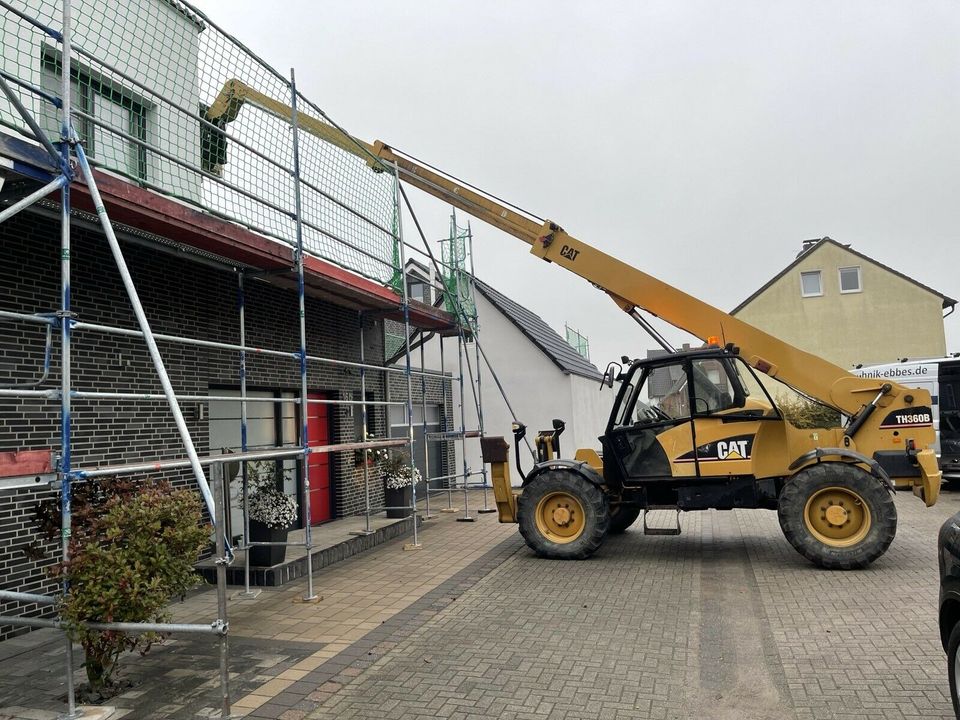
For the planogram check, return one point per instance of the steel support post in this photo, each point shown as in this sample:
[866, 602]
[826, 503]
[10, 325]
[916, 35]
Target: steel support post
[426, 445]
[65, 357]
[415, 545]
[479, 393]
[218, 475]
[443, 426]
[367, 530]
[244, 477]
[304, 407]
[461, 351]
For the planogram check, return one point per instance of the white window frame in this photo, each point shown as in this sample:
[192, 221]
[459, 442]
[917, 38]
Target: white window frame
[819, 275]
[859, 279]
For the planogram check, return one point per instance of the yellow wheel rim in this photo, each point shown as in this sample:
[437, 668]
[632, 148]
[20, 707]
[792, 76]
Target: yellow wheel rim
[837, 517]
[559, 517]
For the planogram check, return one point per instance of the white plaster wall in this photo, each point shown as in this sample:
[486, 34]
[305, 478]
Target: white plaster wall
[147, 39]
[890, 318]
[537, 389]
[591, 408]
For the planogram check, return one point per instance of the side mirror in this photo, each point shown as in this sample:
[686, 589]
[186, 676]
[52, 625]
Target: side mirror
[612, 372]
[519, 430]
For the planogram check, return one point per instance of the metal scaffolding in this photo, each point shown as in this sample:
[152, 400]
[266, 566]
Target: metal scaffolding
[458, 285]
[69, 157]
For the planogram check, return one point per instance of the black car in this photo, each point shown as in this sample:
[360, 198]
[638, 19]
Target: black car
[948, 547]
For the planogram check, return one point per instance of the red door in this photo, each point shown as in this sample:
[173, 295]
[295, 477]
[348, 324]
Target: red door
[318, 433]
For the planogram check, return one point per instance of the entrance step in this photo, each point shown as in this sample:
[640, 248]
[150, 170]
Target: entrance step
[661, 514]
[332, 542]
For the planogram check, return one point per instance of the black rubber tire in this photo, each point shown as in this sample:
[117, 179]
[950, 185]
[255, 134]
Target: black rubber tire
[953, 645]
[622, 517]
[883, 515]
[595, 509]
[950, 484]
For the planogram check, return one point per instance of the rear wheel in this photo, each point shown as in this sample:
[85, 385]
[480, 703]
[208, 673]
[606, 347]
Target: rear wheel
[621, 518]
[837, 515]
[562, 515]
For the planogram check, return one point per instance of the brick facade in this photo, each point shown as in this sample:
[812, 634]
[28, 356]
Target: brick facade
[180, 297]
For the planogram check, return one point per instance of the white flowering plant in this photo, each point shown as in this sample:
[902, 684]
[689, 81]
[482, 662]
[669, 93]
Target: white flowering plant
[371, 456]
[268, 504]
[398, 473]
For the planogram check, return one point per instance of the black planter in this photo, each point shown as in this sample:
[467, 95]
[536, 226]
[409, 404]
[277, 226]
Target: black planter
[266, 555]
[399, 500]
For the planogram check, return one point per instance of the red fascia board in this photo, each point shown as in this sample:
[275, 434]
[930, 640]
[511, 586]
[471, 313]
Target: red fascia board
[25, 462]
[151, 212]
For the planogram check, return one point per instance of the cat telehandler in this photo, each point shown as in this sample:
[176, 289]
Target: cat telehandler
[690, 430]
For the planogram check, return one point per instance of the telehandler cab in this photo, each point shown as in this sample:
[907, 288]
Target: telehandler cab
[691, 430]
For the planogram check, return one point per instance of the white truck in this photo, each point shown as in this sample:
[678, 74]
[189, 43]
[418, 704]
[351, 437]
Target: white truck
[941, 377]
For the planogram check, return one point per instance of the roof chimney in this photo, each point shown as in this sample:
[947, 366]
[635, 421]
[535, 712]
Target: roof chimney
[807, 244]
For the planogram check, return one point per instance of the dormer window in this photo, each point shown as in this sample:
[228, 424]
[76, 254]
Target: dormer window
[810, 284]
[850, 280]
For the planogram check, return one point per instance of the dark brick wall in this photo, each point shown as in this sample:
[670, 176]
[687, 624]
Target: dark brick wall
[180, 298]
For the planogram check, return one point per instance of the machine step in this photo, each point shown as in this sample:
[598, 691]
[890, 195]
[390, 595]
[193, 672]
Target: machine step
[675, 530]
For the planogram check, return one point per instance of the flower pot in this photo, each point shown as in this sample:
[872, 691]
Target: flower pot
[399, 500]
[267, 555]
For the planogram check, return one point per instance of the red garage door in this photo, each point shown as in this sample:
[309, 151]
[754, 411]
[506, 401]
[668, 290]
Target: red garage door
[318, 433]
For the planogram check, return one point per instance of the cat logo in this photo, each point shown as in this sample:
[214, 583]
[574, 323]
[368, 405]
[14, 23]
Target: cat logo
[732, 450]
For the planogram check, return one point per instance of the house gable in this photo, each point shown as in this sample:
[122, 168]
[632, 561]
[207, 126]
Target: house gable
[540, 334]
[856, 258]
[886, 315]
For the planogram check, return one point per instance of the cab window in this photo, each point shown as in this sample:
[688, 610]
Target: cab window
[714, 389]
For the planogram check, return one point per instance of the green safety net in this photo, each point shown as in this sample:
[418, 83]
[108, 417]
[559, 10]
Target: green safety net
[166, 98]
[578, 342]
[458, 287]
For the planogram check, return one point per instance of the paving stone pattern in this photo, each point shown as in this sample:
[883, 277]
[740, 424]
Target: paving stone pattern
[724, 622]
[177, 679]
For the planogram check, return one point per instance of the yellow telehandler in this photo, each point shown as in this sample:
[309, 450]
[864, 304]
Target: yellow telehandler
[691, 430]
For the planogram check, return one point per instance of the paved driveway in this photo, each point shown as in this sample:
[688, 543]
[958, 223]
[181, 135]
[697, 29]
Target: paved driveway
[725, 621]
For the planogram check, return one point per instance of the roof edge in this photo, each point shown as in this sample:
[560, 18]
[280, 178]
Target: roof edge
[483, 288]
[948, 302]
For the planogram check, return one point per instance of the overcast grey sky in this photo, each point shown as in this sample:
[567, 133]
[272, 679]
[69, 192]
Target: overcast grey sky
[701, 141]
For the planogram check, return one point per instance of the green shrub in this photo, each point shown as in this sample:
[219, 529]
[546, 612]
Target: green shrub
[806, 414]
[132, 550]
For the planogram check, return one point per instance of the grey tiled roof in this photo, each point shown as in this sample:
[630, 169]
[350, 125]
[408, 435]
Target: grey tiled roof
[541, 335]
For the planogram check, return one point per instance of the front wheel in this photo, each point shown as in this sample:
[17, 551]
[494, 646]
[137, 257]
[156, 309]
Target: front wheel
[562, 515]
[837, 515]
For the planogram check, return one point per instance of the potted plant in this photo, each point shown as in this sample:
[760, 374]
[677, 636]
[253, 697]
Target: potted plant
[272, 512]
[370, 456]
[398, 479]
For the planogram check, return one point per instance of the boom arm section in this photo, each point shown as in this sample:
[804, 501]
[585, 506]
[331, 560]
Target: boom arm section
[629, 287]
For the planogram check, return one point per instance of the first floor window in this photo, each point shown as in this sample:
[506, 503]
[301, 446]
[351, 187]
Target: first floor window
[109, 109]
[810, 285]
[850, 280]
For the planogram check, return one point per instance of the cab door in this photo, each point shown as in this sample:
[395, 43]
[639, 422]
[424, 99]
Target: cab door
[652, 424]
[726, 418]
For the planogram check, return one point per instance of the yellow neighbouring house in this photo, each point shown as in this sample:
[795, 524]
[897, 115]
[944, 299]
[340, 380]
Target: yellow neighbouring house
[849, 308]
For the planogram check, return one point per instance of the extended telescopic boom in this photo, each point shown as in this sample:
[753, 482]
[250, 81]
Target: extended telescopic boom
[629, 287]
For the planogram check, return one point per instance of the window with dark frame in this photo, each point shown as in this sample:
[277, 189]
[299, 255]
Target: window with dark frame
[109, 108]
